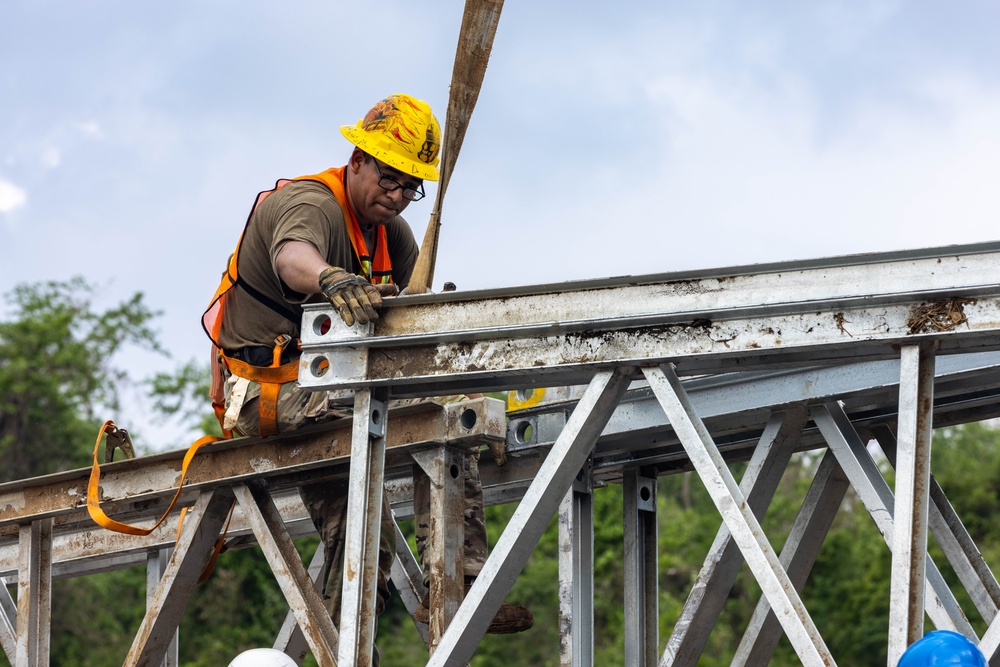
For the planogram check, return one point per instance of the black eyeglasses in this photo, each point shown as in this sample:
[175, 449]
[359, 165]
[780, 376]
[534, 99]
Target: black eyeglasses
[391, 185]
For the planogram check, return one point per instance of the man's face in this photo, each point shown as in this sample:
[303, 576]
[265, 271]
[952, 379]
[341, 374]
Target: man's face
[378, 192]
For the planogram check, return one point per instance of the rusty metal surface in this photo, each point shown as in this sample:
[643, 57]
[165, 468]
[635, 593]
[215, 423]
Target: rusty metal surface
[824, 310]
[150, 478]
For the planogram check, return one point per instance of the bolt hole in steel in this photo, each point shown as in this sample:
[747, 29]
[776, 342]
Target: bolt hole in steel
[321, 325]
[468, 418]
[319, 366]
[644, 493]
[454, 471]
[523, 395]
[376, 416]
[523, 432]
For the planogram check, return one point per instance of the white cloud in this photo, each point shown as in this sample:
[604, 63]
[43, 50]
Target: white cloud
[11, 197]
[90, 129]
[51, 157]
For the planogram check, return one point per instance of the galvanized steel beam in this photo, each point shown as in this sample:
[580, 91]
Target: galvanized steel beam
[786, 314]
[361, 540]
[909, 545]
[8, 622]
[641, 581]
[34, 595]
[576, 572]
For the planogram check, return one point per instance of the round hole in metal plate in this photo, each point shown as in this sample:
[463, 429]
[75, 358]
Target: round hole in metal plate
[319, 366]
[468, 418]
[523, 432]
[321, 325]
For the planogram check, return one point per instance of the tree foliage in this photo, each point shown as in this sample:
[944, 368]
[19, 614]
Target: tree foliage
[56, 368]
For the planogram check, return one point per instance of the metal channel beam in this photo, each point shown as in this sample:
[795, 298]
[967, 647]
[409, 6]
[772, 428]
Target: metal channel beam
[745, 529]
[364, 510]
[576, 572]
[641, 573]
[446, 535]
[8, 622]
[913, 472]
[34, 595]
[796, 313]
[156, 565]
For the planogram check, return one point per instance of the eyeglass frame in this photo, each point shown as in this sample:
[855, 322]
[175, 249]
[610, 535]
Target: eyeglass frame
[395, 185]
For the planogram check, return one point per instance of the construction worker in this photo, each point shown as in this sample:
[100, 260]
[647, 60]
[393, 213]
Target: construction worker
[336, 236]
[942, 647]
[262, 657]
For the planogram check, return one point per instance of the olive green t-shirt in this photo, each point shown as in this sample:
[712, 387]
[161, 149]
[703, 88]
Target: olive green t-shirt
[301, 211]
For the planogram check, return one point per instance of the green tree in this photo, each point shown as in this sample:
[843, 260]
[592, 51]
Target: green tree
[56, 370]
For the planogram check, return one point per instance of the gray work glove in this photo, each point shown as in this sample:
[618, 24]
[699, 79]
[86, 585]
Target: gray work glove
[354, 297]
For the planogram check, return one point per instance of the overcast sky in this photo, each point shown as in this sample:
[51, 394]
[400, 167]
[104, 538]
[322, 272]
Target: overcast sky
[610, 138]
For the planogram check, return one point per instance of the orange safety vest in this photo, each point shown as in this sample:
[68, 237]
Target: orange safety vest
[376, 269]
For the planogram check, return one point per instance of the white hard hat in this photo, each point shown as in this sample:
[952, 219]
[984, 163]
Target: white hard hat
[262, 657]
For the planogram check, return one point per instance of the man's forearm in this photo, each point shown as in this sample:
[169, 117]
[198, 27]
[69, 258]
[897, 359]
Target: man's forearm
[299, 264]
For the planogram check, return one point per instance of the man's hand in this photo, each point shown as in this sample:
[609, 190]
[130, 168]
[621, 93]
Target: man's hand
[354, 298]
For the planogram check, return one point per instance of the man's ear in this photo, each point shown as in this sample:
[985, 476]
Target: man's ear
[357, 160]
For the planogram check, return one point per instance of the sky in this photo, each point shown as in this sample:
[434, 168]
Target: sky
[610, 138]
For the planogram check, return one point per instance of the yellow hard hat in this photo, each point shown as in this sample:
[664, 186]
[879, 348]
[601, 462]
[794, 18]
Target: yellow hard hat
[402, 132]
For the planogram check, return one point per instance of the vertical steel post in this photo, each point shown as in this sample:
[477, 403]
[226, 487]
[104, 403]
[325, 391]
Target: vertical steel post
[8, 622]
[913, 454]
[364, 511]
[34, 594]
[641, 590]
[446, 536]
[576, 573]
[156, 564]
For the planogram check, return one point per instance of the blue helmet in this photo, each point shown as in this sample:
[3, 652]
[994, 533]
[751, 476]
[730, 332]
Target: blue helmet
[942, 647]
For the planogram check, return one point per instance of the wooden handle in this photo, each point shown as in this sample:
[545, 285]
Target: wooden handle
[475, 41]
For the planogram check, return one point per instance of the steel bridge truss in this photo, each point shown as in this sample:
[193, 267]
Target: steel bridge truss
[827, 355]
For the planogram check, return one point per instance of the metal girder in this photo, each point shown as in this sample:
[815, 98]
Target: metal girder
[794, 313]
[408, 580]
[446, 536]
[131, 482]
[641, 582]
[742, 523]
[34, 595]
[290, 639]
[913, 472]
[576, 572]
[364, 509]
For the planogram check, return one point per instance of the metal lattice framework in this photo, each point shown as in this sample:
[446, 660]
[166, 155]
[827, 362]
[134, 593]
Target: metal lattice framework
[817, 355]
